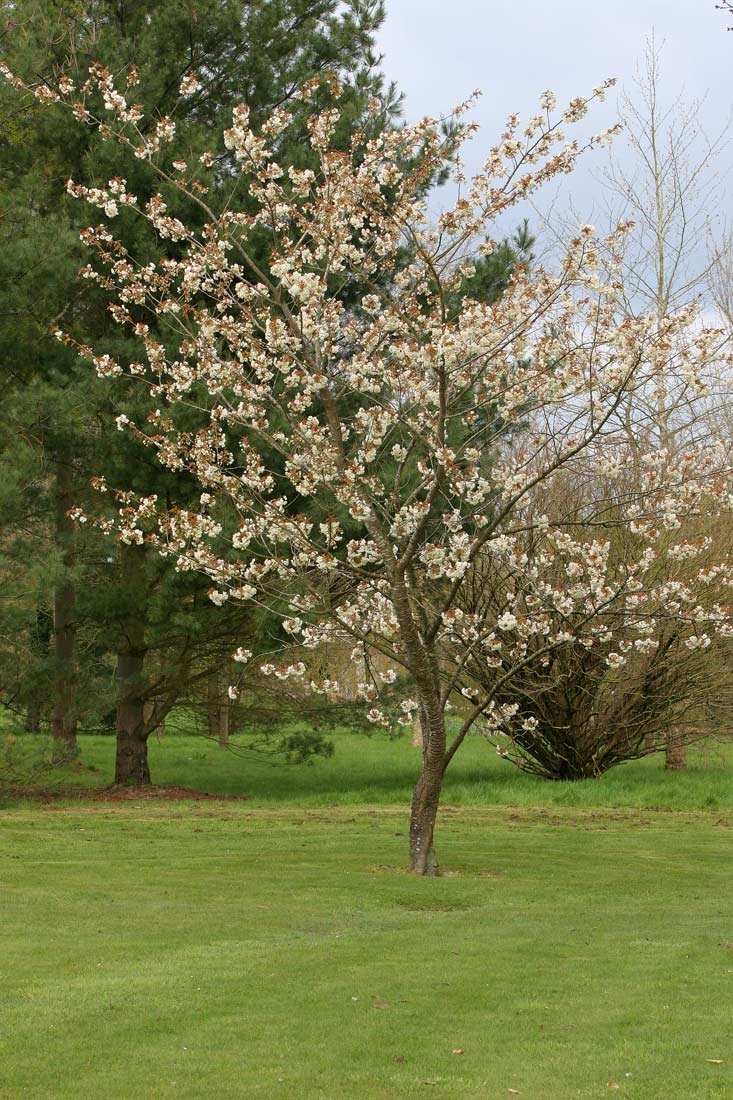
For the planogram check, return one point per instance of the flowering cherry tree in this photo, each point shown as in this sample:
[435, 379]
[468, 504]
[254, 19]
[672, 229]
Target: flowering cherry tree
[374, 440]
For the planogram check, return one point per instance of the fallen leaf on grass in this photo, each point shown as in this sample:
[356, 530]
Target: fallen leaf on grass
[457, 1050]
[611, 1085]
[514, 1092]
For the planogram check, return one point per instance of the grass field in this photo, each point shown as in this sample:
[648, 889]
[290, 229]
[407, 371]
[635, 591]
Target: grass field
[582, 938]
[377, 771]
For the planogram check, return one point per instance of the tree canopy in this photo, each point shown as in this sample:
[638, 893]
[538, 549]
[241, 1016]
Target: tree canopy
[428, 433]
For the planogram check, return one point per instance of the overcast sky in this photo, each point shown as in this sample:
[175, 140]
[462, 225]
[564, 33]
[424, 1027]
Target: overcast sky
[439, 51]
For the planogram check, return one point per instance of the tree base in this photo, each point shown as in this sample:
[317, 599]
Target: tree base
[131, 762]
[426, 867]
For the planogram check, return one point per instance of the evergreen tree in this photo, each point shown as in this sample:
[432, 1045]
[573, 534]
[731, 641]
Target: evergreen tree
[57, 428]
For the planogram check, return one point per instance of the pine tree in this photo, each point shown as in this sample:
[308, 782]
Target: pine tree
[57, 428]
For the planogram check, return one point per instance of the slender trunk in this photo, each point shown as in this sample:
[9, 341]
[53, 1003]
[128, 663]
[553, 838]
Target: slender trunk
[218, 706]
[423, 667]
[63, 715]
[423, 812]
[212, 704]
[426, 798]
[40, 644]
[131, 761]
[224, 719]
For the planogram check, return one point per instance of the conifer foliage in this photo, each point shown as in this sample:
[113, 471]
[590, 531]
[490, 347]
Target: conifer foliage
[85, 625]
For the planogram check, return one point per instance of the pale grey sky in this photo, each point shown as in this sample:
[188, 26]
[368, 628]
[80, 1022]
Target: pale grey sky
[439, 51]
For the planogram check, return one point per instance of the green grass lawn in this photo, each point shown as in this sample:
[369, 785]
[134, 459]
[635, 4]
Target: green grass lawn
[209, 950]
[377, 771]
[274, 948]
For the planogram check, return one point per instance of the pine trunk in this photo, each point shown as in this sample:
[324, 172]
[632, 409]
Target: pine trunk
[148, 712]
[131, 761]
[64, 712]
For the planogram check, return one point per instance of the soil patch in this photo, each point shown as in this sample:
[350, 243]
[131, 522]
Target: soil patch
[150, 793]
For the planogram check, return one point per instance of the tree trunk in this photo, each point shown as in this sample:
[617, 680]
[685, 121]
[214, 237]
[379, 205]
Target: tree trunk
[63, 715]
[675, 755]
[148, 711]
[224, 720]
[426, 797]
[218, 706]
[40, 644]
[422, 664]
[417, 739]
[131, 760]
[423, 812]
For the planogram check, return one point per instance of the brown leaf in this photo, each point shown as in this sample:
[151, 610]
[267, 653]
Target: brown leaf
[611, 1085]
[457, 1050]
